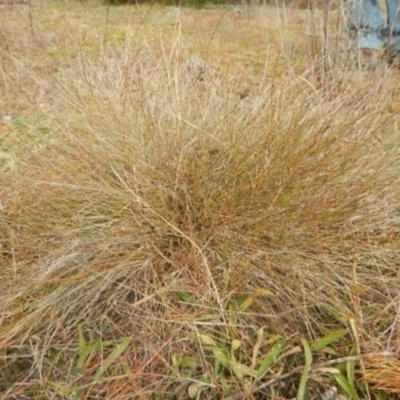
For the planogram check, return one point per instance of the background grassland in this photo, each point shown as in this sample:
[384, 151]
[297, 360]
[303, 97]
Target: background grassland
[194, 204]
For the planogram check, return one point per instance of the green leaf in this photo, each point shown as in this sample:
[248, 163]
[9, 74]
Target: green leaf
[328, 339]
[189, 362]
[359, 290]
[220, 356]
[350, 372]
[118, 350]
[240, 369]
[346, 386]
[338, 314]
[188, 298]
[269, 359]
[207, 340]
[354, 328]
[226, 389]
[253, 296]
[331, 351]
[86, 352]
[235, 344]
[236, 303]
[82, 340]
[301, 393]
[382, 395]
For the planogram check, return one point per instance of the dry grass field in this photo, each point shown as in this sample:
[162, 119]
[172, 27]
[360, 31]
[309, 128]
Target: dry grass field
[195, 204]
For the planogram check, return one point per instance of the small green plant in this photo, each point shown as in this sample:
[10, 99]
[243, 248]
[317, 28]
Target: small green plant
[87, 353]
[230, 358]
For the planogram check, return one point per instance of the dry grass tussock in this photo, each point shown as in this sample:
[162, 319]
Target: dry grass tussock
[164, 220]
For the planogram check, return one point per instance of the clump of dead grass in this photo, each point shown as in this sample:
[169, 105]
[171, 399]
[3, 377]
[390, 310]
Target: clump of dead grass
[159, 204]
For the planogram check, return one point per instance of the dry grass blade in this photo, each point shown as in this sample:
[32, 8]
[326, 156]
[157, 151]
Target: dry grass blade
[383, 373]
[144, 216]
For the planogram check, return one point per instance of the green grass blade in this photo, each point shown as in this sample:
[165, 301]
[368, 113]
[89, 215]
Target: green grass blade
[328, 339]
[346, 386]
[269, 359]
[82, 340]
[350, 372]
[253, 296]
[119, 349]
[221, 356]
[207, 340]
[188, 298]
[241, 370]
[382, 395]
[237, 303]
[86, 352]
[301, 393]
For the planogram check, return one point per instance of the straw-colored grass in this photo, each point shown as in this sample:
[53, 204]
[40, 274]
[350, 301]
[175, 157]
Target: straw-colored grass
[166, 235]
